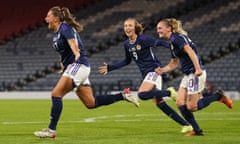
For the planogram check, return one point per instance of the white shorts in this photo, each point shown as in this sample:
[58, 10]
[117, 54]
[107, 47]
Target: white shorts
[155, 79]
[194, 84]
[79, 73]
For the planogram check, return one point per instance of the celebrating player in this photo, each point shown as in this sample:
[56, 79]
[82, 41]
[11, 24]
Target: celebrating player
[138, 47]
[183, 50]
[76, 69]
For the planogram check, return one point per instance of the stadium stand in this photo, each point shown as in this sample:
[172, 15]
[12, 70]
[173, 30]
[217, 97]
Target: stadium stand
[29, 64]
[20, 18]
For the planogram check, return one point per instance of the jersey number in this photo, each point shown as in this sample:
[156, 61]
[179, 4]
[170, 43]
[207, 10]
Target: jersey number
[135, 55]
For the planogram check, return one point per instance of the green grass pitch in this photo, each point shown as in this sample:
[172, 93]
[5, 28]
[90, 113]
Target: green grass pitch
[120, 123]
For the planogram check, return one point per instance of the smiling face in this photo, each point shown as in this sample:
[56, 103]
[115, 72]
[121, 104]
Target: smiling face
[129, 28]
[163, 30]
[52, 21]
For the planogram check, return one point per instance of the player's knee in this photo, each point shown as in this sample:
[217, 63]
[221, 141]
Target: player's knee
[58, 93]
[54, 93]
[158, 100]
[90, 105]
[192, 107]
[180, 103]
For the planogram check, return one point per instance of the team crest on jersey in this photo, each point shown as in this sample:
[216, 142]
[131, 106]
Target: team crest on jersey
[138, 47]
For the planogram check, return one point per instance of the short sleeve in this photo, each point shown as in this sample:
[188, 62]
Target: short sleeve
[68, 33]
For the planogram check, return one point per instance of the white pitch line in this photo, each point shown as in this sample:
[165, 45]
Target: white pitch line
[16, 123]
[115, 118]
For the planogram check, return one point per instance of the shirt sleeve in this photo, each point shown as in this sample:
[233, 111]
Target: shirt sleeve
[161, 42]
[180, 41]
[151, 41]
[68, 33]
[177, 45]
[121, 63]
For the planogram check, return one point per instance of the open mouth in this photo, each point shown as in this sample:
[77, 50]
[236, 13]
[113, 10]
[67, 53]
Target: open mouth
[128, 32]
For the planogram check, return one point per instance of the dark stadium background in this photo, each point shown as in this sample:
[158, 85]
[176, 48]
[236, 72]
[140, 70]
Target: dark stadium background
[28, 63]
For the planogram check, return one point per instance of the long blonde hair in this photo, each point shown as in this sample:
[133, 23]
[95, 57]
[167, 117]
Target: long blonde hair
[176, 25]
[66, 16]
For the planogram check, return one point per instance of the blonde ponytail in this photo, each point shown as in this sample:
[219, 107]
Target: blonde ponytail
[176, 25]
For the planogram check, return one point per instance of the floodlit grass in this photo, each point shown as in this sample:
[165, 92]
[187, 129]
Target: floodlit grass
[120, 123]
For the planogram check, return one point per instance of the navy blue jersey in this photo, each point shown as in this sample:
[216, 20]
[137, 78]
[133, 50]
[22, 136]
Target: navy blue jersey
[178, 41]
[141, 52]
[60, 44]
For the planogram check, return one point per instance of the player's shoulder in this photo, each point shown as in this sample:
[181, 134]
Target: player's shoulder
[174, 35]
[65, 26]
[177, 37]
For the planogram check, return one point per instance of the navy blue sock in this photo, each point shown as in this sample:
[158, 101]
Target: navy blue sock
[153, 94]
[205, 101]
[171, 113]
[55, 112]
[188, 115]
[107, 99]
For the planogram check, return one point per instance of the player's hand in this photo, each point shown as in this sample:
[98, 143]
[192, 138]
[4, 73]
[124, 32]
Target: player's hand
[61, 68]
[77, 56]
[103, 69]
[158, 71]
[198, 72]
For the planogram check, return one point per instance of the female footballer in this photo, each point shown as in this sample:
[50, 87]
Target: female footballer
[183, 50]
[138, 48]
[76, 69]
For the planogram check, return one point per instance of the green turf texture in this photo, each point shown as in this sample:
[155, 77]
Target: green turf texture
[119, 123]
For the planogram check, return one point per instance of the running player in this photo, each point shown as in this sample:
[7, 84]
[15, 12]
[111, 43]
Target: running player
[183, 50]
[76, 69]
[138, 47]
